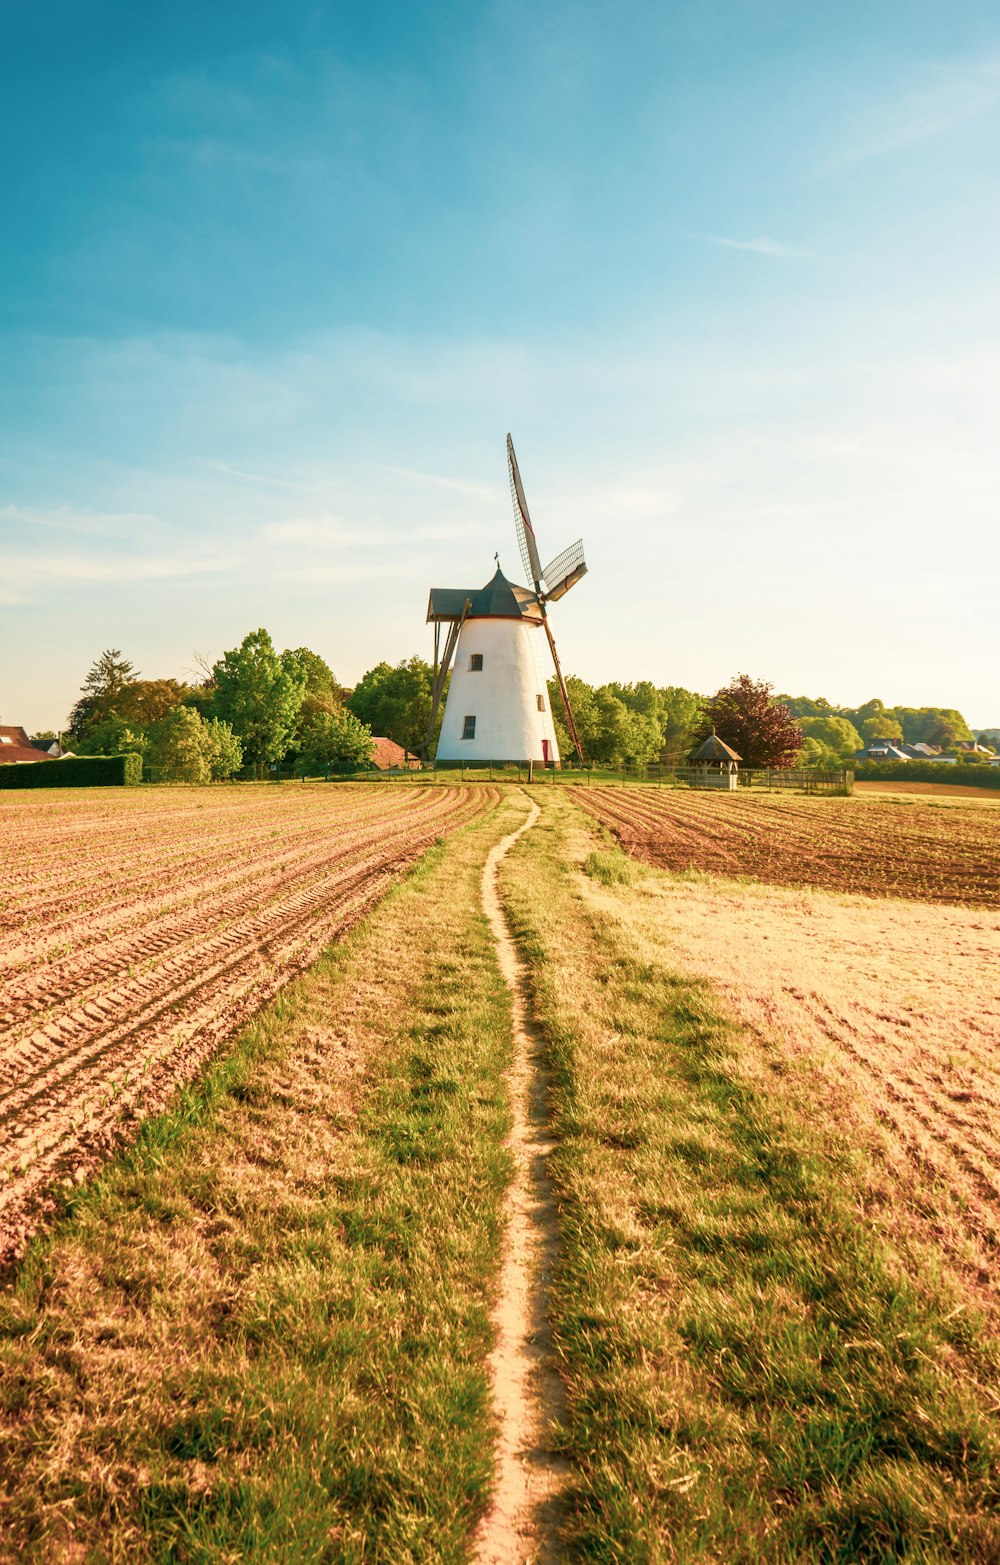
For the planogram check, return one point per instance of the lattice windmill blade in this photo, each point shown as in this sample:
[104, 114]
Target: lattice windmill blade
[564, 571]
[522, 522]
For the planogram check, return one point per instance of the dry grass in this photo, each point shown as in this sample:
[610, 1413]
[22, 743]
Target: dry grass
[261, 1334]
[882, 1016]
[924, 850]
[756, 1370]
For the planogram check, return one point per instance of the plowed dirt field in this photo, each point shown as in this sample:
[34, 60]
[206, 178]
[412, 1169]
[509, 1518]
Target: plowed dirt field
[138, 930]
[880, 847]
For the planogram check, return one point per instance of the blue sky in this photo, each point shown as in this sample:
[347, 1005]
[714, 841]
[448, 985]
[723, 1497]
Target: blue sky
[277, 280]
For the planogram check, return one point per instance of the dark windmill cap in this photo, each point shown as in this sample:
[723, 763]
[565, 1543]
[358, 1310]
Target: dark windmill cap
[499, 599]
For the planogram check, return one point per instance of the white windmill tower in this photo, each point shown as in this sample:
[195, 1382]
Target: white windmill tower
[498, 702]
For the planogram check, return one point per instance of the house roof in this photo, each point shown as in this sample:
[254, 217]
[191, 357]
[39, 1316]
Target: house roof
[887, 748]
[16, 746]
[387, 753]
[499, 599]
[714, 749]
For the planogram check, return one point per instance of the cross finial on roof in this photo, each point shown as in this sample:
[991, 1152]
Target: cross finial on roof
[497, 558]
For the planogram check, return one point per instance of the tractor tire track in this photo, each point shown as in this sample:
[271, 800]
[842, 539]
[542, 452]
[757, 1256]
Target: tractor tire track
[120, 1042]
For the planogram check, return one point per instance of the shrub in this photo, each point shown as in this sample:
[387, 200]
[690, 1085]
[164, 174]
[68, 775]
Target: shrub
[78, 771]
[969, 773]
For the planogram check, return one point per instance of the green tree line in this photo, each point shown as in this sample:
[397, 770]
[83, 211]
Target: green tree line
[257, 706]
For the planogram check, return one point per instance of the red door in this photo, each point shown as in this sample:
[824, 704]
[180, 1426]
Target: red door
[546, 755]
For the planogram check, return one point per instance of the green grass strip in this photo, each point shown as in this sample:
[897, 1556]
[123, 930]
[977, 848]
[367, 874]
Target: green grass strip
[751, 1373]
[261, 1334]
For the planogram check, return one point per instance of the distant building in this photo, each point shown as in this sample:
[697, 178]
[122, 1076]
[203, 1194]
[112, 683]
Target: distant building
[883, 750]
[389, 756]
[16, 746]
[715, 764]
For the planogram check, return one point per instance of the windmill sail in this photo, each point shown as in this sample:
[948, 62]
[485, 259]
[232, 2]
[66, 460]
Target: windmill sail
[551, 584]
[522, 522]
[564, 572]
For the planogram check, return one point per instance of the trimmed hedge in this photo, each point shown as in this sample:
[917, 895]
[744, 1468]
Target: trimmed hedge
[78, 771]
[971, 774]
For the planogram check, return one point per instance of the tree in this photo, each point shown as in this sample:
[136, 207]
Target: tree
[396, 701]
[225, 752]
[183, 747]
[337, 739]
[610, 720]
[259, 696]
[324, 692]
[833, 734]
[146, 701]
[680, 710]
[881, 726]
[808, 706]
[112, 736]
[815, 754]
[582, 701]
[180, 748]
[101, 690]
[759, 728]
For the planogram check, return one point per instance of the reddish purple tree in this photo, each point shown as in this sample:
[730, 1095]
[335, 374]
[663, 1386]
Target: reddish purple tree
[746, 717]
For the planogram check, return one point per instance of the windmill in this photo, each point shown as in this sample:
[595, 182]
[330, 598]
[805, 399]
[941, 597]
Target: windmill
[498, 705]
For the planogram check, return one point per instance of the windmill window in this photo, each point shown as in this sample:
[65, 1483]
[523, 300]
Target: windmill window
[476, 663]
[541, 703]
[468, 728]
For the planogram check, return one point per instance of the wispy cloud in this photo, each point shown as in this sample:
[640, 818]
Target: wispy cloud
[953, 94]
[460, 486]
[23, 576]
[762, 246]
[22, 520]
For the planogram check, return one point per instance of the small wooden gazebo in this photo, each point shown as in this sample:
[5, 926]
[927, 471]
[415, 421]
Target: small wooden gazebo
[715, 765]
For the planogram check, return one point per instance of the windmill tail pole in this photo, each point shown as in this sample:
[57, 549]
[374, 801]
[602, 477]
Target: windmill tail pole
[441, 674]
[570, 724]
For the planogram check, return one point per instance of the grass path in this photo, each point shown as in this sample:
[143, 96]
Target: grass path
[752, 1372]
[522, 1521]
[262, 1333]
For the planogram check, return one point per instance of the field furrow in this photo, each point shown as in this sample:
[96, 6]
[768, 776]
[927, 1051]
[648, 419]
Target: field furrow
[117, 984]
[877, 846]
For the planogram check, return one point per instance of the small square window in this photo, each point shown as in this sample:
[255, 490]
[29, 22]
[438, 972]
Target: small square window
[541, 703]
[476, 663]
[469, 728]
